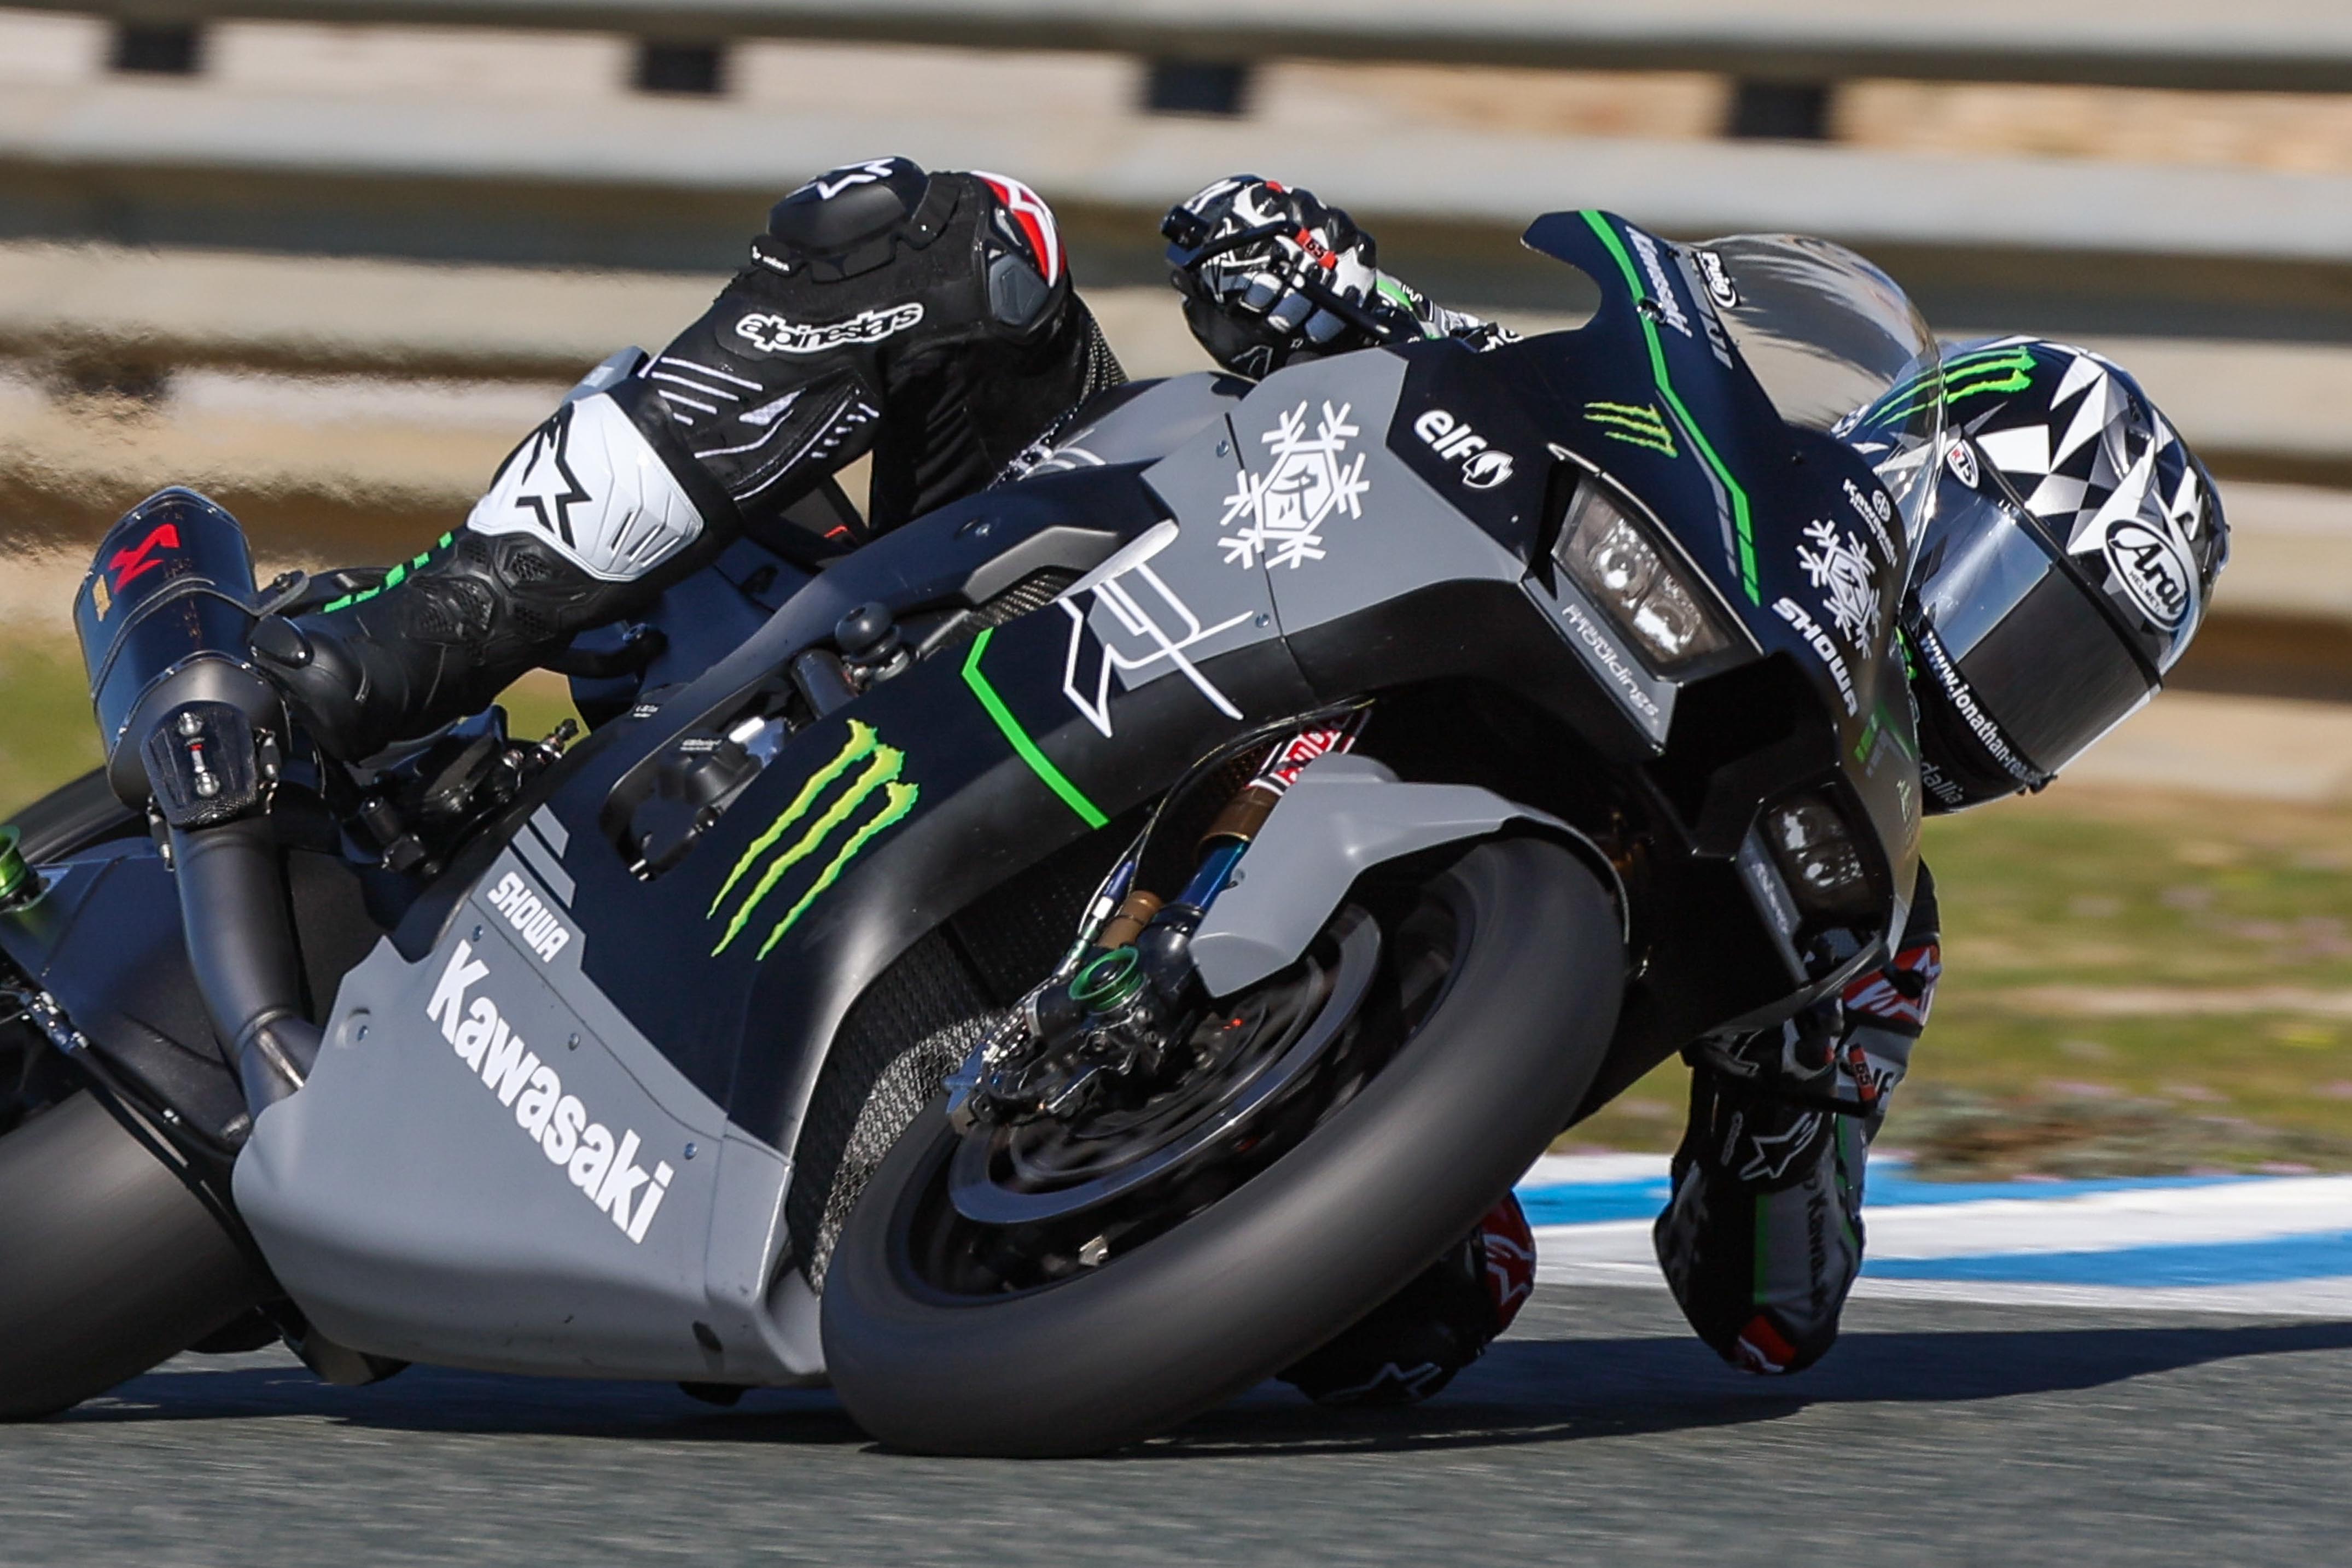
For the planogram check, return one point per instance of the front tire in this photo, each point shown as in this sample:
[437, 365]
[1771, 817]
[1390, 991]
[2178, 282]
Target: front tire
[1105, 1356]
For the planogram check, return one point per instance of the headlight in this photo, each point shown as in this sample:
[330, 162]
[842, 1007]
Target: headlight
[1817, 854]
[1637, 583]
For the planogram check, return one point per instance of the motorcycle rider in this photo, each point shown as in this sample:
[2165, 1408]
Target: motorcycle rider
[929, 317]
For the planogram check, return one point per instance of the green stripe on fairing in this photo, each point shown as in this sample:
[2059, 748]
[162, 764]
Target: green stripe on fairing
[1739, 508]
[1039, 763]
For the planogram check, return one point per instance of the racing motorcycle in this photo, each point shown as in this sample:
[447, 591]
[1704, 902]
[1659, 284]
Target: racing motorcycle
[1071, 959]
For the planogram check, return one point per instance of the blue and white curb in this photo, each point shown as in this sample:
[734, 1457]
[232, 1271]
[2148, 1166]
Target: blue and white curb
[2240, 1244]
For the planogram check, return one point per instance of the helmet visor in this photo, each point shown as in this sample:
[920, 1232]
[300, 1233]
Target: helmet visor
[2037, 656]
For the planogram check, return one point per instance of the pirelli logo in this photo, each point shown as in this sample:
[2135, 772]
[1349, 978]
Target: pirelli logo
[844, 806]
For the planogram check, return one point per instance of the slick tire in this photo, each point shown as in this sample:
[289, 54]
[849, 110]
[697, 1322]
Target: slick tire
[108, 1264]
[1244, 1287]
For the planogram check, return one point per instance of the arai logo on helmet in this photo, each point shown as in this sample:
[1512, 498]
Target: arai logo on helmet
[2154, 570]
[1483, 468]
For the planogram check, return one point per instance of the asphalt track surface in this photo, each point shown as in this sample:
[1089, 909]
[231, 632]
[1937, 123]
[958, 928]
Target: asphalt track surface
[1597, 1431]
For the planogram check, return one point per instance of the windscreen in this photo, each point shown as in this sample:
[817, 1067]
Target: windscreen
[1830, 337]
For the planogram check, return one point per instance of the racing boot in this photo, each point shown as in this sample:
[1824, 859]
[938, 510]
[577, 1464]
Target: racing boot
[927, 318]
[1763, 1236]
[1413, 1343]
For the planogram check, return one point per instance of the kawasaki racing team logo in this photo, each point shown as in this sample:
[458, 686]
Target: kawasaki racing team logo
[862, 798]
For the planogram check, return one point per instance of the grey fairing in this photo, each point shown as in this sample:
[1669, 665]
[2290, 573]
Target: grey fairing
[1344, 816]
[408, 1211]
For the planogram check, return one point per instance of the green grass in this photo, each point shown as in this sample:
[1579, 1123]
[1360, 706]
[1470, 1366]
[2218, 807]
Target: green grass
[2060, 908]
[2050, 903]
[47, 734]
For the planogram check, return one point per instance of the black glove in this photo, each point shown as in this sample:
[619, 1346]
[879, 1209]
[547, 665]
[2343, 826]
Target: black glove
[1268, 272]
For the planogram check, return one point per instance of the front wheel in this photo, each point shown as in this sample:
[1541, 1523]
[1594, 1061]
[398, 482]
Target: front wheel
[1070, 1288]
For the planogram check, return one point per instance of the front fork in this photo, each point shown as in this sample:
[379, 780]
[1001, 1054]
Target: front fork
[1127, 988]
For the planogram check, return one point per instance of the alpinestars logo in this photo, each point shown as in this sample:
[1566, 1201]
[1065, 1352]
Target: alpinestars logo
[1483, 468]
[771, 334]
[604, 1169]
[545, 485]
[872, 797]
[829, 185]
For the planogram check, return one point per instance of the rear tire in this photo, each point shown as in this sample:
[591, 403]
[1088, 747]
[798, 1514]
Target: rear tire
[109, 1264]
[1342, 1221]
[112, 1265]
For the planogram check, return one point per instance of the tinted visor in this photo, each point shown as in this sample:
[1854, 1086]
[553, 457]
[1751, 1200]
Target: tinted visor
[2041, 658]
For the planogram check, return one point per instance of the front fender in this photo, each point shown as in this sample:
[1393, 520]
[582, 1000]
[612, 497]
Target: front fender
[1344, 815]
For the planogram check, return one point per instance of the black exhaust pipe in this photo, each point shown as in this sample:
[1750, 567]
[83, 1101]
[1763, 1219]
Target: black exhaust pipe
[189, 724]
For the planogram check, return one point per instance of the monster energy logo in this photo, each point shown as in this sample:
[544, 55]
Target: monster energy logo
[876, 780]
[1978, 374]
[1639, 425]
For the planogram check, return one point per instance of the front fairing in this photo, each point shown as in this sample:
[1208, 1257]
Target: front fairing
[1802, 537]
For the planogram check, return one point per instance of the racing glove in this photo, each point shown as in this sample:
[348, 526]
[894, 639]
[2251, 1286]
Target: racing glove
[1270, 273]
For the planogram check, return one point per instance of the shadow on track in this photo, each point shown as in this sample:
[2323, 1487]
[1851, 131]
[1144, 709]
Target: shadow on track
[1526, 1391]
[1556, 1390]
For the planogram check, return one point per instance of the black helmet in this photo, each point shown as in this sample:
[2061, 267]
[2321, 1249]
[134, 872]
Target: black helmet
[2067, 559]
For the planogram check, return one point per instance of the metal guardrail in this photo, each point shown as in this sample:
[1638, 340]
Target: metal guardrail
[1440, 175]
[2280, 45]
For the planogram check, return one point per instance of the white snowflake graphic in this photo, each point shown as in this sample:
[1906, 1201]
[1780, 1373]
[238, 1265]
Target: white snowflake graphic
[1841, 570]
[1309, 481]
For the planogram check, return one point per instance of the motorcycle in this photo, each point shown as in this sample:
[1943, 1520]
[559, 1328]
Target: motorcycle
[1067, 961]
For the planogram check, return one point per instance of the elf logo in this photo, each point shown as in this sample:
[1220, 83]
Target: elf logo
[605, 1171]
[541, 930]
[1483, 467]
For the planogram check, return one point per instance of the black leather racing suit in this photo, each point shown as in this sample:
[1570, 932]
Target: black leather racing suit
[927, 319]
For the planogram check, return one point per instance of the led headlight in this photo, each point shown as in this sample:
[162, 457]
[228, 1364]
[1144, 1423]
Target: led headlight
[1637, 583]
[1818, 856]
